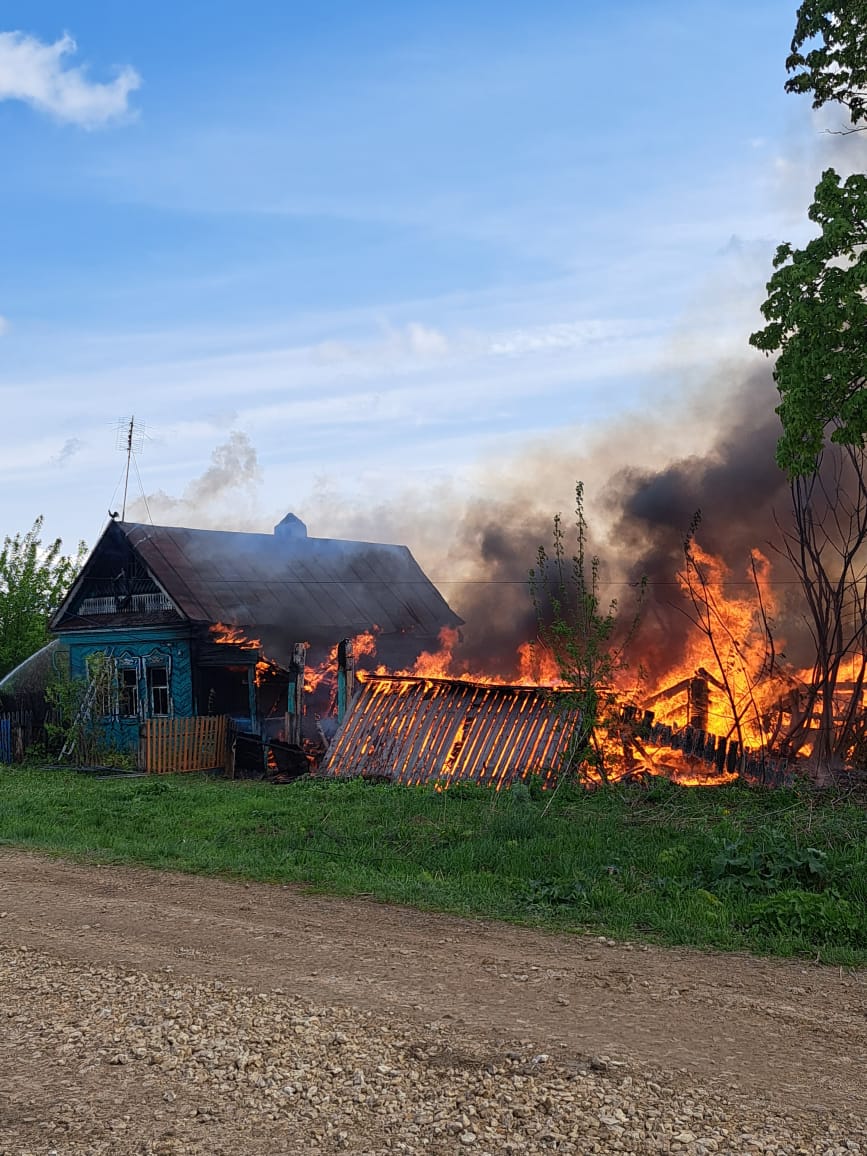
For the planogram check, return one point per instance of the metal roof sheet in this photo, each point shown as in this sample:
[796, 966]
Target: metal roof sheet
[304, 585]
[423, 730]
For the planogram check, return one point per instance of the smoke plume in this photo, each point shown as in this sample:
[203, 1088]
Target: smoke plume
[478, 540]
[224, 495]
[478, 546]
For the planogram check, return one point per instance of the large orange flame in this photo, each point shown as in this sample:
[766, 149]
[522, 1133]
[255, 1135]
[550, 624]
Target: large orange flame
[227, 635]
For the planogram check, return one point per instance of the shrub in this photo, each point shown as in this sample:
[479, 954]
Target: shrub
[818, 919]
[766, 868]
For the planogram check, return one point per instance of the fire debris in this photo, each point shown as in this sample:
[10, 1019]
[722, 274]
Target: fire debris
[429, 730]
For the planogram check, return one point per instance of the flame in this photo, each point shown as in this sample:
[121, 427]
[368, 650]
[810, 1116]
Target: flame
[682, 769]
[233, 636]
[537, 666]
[325, 673]
[227, 635]
[365, 644]
[314, 676]
[732, 684]
[534, 666]
[728, 683]
[439, 663]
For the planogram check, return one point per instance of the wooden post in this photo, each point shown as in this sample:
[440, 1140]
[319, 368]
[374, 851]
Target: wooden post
[253, 699]
[733, 755]
[720, 759]
[699, 703]
[345, 677]
[295, 704]
[231, 741]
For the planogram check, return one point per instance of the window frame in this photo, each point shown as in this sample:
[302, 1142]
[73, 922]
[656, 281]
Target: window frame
[128, 692]
[163, 687]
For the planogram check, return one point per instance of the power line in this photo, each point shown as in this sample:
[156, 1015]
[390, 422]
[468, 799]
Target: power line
[283, 581]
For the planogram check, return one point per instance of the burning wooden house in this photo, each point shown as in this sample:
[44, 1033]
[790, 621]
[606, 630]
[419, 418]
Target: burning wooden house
[263, 630]
[185, 622]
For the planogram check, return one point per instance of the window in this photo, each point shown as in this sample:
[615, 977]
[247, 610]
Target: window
[158, 690]
[128, 691]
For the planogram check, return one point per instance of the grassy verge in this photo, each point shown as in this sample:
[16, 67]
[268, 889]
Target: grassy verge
[773, 872]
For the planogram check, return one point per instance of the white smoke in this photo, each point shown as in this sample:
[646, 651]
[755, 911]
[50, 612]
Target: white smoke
[225, 496]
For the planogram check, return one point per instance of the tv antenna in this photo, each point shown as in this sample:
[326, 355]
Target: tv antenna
[130, 439]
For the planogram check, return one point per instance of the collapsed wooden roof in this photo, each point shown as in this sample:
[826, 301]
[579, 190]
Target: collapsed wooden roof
[426, 730]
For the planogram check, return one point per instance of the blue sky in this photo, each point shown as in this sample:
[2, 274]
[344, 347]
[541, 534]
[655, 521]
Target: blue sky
[389, 247]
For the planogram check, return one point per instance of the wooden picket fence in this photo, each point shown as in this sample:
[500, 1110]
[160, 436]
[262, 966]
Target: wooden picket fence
[16, 735]
[173, 745]
[5, 740]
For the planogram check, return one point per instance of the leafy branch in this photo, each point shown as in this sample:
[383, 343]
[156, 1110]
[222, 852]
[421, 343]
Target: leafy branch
[587, 639]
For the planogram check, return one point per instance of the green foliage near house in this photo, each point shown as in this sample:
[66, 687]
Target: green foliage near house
[816, 307]
[816, 314]
[34, 577]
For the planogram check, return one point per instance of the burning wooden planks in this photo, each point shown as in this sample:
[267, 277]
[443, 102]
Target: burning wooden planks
[415, 730]
[722, 755]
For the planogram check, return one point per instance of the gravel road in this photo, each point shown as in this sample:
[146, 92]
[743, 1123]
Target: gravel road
[151, 1013]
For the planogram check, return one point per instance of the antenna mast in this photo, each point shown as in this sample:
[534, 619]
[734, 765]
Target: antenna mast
[129, 435]
[131, 440]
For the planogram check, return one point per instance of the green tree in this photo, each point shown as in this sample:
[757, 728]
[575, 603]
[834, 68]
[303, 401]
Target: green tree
[828, 57]
[816, 307]
[34, 577]
[816, 311]
[816, 314]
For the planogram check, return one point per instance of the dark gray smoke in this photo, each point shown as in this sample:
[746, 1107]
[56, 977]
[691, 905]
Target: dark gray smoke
[502, 539]
[737, 489]
[742, 498]
[479, 550]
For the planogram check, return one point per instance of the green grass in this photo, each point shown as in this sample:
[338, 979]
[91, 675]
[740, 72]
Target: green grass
[775, 872]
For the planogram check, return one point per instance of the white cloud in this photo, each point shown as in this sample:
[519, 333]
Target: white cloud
[36, 73]
[417, 345]
[69, 449]
[562, 335]
[424, 340]
[413, 342]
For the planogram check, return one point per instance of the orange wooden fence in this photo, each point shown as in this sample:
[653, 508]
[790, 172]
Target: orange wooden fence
[172, 745]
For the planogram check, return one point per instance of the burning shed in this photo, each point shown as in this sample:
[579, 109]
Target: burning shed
[205, 622]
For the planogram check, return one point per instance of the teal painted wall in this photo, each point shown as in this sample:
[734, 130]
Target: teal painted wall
[159, 643]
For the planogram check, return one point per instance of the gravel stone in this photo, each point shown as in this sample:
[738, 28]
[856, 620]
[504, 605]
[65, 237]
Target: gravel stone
[155, 1065]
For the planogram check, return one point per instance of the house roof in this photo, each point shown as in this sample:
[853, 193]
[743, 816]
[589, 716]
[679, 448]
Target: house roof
[305, 586]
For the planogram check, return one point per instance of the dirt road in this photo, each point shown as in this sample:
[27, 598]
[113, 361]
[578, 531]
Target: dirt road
[769, 1039]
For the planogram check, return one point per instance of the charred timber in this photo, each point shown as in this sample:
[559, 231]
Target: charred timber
[723, 754]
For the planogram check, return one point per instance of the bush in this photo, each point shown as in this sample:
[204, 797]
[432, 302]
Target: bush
[766, 868]
[817, 919]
